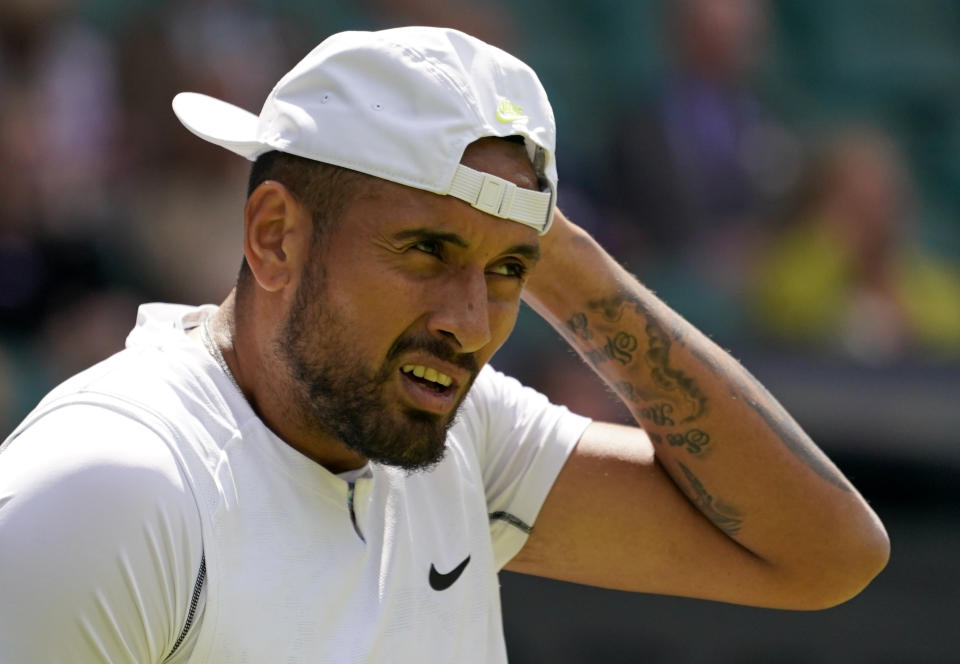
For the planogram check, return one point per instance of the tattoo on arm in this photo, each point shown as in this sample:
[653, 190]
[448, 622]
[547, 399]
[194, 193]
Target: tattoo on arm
[635, 394]
[795, 440]
[659, 413]
[693, 440]
[620, 348]
[657, 354]
[578, 325]
[680, 390]
[725, 517]
[669, 378]
[611, 308]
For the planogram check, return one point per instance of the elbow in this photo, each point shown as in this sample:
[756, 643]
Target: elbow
[856, 575]
[842, 573]
[872, 560]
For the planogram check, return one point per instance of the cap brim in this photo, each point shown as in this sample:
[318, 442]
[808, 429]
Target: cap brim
[218, 122]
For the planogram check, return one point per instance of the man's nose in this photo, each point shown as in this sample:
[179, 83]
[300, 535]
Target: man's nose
[461, 313]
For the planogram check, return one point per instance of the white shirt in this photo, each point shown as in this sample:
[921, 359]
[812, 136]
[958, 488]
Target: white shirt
[130, 474]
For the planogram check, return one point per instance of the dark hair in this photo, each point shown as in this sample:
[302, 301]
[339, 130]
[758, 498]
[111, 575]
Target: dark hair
[323, 188]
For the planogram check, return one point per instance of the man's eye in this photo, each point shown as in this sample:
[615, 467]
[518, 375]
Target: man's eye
[429, 247]
[513, 270]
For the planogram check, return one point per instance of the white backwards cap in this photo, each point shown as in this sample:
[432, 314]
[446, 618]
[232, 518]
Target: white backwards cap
[400, 104]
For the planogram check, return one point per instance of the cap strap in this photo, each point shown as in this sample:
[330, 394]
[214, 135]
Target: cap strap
[501, 198]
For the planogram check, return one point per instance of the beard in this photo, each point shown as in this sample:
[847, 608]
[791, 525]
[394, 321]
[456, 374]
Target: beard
[337, 396]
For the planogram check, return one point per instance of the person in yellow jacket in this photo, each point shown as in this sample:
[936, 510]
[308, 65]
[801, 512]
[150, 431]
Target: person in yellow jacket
[846, 274]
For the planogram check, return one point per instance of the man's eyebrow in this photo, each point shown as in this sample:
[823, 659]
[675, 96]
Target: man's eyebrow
[430, 234]
[531, 252]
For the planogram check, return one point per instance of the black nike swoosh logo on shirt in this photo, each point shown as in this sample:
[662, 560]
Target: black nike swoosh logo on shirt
[440, 581]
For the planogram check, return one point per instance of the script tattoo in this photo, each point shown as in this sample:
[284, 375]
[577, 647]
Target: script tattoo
[693, 440]
[635, 394]
[610, 308]
[667, 377]
[723, 516]
[578, 325]
[620, 348]
[658, 413]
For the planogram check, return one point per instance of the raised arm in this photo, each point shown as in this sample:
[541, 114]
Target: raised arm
[720, 494]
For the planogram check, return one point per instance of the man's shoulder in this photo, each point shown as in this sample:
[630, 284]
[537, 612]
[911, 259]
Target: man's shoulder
[80, 439]
[492, 384]
[499, 406]
[91, 502]
[161, 390]
[159, 358]
[96, 461]
[496, 393]
[132, 376]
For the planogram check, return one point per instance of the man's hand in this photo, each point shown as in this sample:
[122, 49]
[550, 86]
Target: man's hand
[720, 494]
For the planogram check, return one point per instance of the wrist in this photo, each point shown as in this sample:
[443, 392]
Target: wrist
[568, 255]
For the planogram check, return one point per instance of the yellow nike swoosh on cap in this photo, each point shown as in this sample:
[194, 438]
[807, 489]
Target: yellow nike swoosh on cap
[508, 112]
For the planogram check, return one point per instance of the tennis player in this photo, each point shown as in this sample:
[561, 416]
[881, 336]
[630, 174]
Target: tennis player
[326, 468]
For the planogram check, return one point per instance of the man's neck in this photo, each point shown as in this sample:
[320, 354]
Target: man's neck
[246, 349]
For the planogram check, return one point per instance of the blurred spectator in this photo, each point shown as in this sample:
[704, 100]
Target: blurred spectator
[698, 166]
[58, 152]
[57, 82]
[102, 192]
[487, 21]
[178, 187]
[847, 275]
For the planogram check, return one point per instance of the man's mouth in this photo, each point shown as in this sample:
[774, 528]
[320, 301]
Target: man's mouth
[428, 377]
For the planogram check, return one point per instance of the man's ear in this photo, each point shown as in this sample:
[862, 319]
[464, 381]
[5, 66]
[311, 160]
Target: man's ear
[276, 235]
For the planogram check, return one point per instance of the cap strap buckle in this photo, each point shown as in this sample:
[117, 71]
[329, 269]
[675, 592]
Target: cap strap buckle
[501, 198]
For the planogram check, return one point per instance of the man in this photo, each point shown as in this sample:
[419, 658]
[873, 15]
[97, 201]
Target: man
[324, 468]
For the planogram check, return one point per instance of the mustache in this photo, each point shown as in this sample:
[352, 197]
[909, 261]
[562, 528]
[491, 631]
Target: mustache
[436, 347]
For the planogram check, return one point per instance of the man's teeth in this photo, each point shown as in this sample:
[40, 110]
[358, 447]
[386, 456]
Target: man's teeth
[427, 373]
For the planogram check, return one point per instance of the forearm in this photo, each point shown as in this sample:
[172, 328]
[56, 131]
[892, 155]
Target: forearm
[722, 438]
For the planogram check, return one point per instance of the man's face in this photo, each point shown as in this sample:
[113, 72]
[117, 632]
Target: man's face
[408, 296]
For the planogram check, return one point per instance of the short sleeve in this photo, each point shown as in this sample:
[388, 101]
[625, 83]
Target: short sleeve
[101, 541]
[523, 441]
